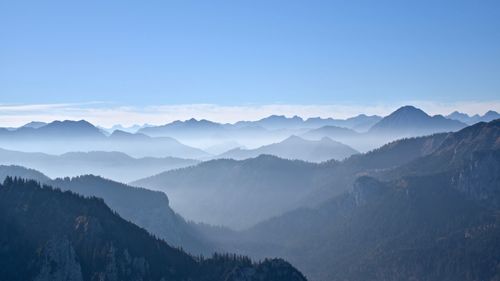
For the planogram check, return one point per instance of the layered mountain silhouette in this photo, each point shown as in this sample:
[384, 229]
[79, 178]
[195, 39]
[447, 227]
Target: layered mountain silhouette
[65, 136]
[295, 147]
[360, 123]
[470, 120]
[433, 218]
[113, 165]
[406, 121]
[52, 235]
[145, 208]
[250, 190]
[417, 208]
[274, 122]
[333, 132]
[258, 188]
[188, 127]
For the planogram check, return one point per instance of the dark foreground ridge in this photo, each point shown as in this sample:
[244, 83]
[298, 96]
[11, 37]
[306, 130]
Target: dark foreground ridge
[47, 234]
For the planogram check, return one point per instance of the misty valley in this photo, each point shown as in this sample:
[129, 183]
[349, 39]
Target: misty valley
[405, 196]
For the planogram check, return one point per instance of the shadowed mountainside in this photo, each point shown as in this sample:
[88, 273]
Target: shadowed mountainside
[57, 236]
[266, 186]
[434, 218]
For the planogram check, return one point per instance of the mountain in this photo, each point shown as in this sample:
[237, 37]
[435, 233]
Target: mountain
[470, 120]
[462, 117]
[407, 121]
[34, 124]
[206, 134]
[456, 150]
[250, 190]
[146, 208]
[274, 122]
[67, 129]
[129, 129]
[411, 121]
[296, 148]
[55, 130]
[140, 145]
[188, 127]
[64, 136]
[360, 123]
[52, 235]
[333, 132]
[433, 218]
[22, 172]
[222, 147]
[254, 189]
[114, 165]
[490, 116]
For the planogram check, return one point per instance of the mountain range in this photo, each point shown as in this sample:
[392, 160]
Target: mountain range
[417, 208]
[407, 121]
[250, 190]
[258, 188]
[470, 120]
[145, 208]
[297, 148]
[52, 235]
[432, 218]
[361, 132]
[113, 165]
[361, 122]
[66, 136]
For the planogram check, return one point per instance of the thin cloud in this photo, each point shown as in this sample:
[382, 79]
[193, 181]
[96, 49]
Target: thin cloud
[108, 114]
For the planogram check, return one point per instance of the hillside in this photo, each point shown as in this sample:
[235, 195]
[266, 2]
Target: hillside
[113, 165]
[296, 148]
[54, 235]
[250, 190]
[145, 208]
[266, 186]
[381, 230]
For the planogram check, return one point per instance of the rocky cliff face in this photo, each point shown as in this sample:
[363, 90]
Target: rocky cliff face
[479, 178]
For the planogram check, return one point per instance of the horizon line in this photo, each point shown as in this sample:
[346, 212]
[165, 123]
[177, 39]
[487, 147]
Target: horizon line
[107, 114]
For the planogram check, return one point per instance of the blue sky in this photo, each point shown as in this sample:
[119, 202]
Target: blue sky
[146, 53]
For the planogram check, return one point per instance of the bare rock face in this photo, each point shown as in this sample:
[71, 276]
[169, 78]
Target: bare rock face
[59, 262]
[479, 178]
[366, 189]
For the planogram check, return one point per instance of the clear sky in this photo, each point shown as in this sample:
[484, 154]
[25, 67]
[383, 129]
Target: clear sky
[233, 53]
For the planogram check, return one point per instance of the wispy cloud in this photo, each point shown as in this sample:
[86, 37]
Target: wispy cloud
[108, 114]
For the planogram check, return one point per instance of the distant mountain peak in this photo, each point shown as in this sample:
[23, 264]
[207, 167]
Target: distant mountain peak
[410, 109]
[34, 124]
[282, 118]
[491, 113]
[66, 123]
[414, 121]
[293, 138]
